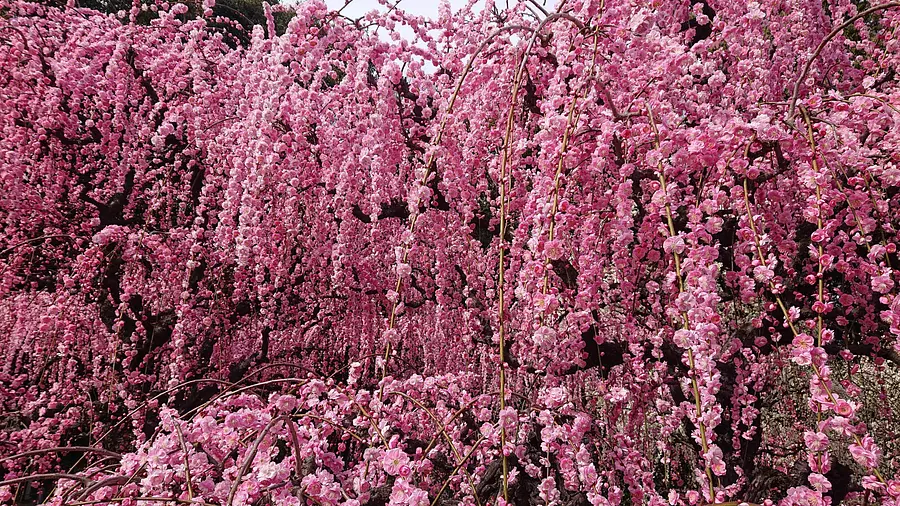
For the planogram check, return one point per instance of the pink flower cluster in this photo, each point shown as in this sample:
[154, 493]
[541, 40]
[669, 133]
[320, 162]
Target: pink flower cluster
[402, 443]
[627, 251]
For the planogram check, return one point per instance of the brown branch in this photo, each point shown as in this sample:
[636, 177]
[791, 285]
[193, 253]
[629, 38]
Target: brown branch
[249, 459]
[821, 46]
[48, 476]
[62, 449]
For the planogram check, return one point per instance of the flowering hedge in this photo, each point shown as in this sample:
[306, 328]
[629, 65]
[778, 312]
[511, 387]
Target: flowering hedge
[619, 252]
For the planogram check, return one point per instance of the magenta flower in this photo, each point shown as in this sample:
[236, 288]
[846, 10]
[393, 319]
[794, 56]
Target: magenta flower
[394, 460]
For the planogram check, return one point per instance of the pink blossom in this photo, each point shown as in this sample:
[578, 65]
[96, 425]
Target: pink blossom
[208, 228]
[882, 283]
[815, 441]
[394, 460]
[844, 408]
[866, 453]
[819, 482]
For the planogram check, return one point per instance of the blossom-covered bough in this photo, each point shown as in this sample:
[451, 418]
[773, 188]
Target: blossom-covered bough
[608, 252]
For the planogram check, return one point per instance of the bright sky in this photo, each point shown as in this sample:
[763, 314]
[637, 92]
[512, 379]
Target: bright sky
[427, 8]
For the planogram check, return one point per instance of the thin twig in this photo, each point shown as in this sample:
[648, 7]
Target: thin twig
[47, 476]
[248, 460]
[187, 463]
[821, 46]
[63, 449]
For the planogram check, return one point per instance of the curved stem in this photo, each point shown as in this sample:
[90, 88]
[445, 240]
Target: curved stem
[295, 440]
[109, 482]
[820, 272]
[443, 430]
[704, 442]
[155, 397]
[231, 393]
[248, 460]
[787, 317]
[187, 462]
[332, 424]
[35, 239]
[504, 208]
[571, 126]
[468, 405]
[821, 46]
[62, 449]
[47, 476]
[150, 499]
[456, 469]
[429, 169]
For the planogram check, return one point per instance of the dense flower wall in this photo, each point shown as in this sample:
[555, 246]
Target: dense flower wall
[619, 252]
